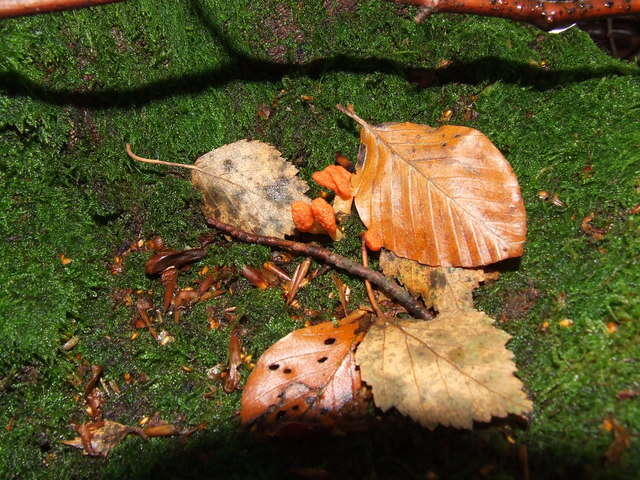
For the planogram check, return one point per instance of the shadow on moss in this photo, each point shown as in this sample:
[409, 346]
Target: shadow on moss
[391, 448]
[248, 68]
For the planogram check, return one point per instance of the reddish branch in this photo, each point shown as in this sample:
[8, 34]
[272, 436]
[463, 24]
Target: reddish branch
[386, 285]
[544, 14]
[17, 8]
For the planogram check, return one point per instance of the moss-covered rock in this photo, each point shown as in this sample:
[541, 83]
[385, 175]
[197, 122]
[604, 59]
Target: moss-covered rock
[177, 79]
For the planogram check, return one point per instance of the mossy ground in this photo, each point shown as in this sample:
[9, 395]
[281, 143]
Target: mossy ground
[179, 78]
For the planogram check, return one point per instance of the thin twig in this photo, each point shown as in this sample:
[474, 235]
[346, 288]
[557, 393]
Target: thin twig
[386, 285]
[18, 8]
[546, 15]
[367, 283]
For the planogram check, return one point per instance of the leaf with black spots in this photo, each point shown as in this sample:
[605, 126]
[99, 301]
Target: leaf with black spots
[304, 378]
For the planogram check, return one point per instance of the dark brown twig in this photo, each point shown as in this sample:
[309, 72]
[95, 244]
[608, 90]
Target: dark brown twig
[544, 14]
[386, 285]
[18, 8]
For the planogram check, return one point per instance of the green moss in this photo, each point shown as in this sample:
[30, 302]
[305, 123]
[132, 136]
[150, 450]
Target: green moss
[177, 79]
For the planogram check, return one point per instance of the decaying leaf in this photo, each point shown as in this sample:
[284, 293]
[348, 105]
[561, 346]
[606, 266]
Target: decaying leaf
[621, 441]
[250, 186]
[235, 360]
[449, 371]
[98, 438]
[304, 376]
[441, 196]
[447, 289]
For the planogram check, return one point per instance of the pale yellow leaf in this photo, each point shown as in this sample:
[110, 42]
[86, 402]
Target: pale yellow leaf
[449, 371]
[250, 186]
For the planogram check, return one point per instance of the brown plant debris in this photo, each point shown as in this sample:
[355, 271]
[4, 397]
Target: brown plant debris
[446, 289]
[97, 439]
[386, 285]
[621, 441]
[232, 379]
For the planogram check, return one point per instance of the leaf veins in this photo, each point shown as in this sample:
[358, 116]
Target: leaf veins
[441, 196]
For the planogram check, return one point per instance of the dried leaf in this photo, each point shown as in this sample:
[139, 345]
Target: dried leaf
[441, 196]
[303, 376]
[235, 360]
[621, 442]
[71, 343]
[448, 371]
[98, 438]
[446, 289]
[94, 401]
[96, 371]
[250, 186]
[587, 227]
[627, 394]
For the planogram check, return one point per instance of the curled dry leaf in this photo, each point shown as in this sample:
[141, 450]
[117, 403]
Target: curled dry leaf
[621, 442]
[627, 394]
[446, 289]
[449, 371]
[250, 186]
[235, 360]
[304, 376]
[441, 196]
[587, 227]
[165, 259]
[98, 438]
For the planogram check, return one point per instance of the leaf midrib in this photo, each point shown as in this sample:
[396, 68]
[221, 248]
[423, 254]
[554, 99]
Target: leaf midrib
[481, 223]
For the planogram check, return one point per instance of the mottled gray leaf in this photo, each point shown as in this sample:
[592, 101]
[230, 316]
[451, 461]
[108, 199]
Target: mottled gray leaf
[250, 186]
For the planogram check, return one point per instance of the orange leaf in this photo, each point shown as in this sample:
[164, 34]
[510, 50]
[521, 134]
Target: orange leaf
[441, 196]
[303, 376]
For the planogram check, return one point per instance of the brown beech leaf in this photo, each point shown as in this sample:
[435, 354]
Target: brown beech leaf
[441, 196]
[304, 376]
[250, 186]
[447, 289]
[449, 371]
